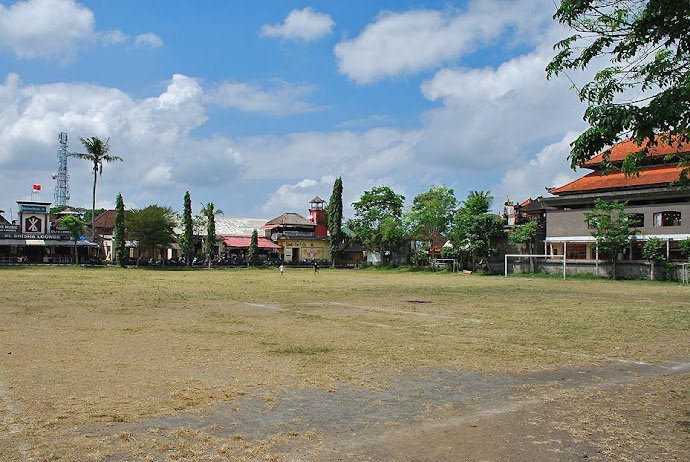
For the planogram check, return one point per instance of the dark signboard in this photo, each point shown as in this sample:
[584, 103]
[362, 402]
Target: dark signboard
[33, 208]
[9, 228]
[33, 236]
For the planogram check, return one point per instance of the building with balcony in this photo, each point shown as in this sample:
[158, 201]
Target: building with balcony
[660, 209]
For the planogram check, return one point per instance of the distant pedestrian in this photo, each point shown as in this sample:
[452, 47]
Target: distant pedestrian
[316, 267]
[282, 270]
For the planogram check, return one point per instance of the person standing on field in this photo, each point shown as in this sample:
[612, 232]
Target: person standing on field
[282, 269]
[316, 268]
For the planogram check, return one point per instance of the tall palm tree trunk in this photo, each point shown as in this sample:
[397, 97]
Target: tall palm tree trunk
[93, 205]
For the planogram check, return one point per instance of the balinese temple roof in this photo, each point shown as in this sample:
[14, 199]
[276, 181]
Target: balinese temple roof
[534, 205]
[289, 219]
[651, 176]
[622, 149]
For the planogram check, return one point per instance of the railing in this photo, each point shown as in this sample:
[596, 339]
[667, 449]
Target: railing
[293, 234]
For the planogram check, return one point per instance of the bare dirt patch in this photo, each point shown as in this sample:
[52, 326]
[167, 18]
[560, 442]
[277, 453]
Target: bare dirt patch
[244, 365]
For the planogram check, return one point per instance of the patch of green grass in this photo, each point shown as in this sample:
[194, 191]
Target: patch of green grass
[300, 350]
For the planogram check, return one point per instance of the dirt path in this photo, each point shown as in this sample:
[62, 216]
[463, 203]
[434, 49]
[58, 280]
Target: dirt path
[606, 412]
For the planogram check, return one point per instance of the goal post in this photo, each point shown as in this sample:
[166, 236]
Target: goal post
[522, 255]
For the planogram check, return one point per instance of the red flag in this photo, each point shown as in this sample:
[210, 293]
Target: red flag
[37, 187]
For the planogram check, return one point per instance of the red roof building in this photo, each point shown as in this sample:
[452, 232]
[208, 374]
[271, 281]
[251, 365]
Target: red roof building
[660, 209]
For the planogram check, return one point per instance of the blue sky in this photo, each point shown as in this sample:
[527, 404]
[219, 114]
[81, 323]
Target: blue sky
[259, 106]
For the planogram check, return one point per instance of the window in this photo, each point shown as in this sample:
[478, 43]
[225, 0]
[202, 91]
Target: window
[636, 220]
[668, 218]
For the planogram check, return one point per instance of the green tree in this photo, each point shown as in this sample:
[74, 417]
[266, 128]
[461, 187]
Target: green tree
[645, 91]
[612, 229]
[654, 250]
[209, 212]
[89, 213]
[475, 229]
[335, 220]
[186, 240]
[685, 247]
[96, 153]
[119, 229]
[525, 234]
[378, 219]
[151, 226]
[76, 228]
[432, 213]
[58, 209]
[253, 255]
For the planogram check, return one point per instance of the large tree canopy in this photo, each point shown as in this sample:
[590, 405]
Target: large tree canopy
[432, 213]
[644, 94]
[475, 228]
[151, 226]
[377, 219]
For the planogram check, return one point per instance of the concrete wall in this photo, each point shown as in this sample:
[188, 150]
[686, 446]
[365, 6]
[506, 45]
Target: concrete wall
[635, 269]
[565, 223]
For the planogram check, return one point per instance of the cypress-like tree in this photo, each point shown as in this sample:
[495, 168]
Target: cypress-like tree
[335, 219]
[120, 248]
[210, 248]
[187, 240]
[254, 249]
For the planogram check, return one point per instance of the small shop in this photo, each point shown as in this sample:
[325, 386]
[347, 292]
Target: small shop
[34, 239]
[304, 249]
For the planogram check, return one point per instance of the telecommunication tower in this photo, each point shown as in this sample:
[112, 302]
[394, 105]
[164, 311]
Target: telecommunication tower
[62, 185]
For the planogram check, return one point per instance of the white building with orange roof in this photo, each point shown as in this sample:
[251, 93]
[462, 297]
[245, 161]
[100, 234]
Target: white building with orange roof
[660, 209]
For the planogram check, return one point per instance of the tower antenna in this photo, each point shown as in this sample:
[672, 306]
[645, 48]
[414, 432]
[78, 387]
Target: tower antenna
[62, 178]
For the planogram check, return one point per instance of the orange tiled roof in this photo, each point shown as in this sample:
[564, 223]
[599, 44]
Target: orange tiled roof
[622, 149]
[661, 175]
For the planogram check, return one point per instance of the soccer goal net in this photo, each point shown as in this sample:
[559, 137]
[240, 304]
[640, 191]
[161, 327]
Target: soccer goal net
[533, 257]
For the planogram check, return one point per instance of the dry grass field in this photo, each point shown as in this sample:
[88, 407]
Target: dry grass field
[242, 364]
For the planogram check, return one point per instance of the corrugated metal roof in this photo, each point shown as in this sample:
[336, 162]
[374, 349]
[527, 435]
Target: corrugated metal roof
[238, 226]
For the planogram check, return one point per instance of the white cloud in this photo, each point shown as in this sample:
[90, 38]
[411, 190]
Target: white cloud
[296, 197]
[278, 98]
[374, 153]
[412, 41]
[490, 117]
[115, 37]
[547, 169]
[306, 25]
[372, 120]
[45, 28]
[152, 135]
[148, 40]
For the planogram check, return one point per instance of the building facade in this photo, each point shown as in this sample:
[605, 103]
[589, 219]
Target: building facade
[659, 209]
[37, 237]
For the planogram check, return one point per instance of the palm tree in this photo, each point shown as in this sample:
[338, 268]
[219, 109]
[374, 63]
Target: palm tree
[97, 153]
